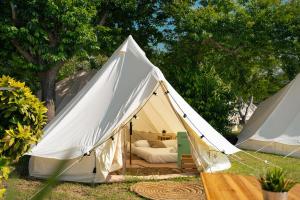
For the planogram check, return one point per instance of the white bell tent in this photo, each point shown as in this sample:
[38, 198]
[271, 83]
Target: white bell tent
[89, 132]
[275, 125]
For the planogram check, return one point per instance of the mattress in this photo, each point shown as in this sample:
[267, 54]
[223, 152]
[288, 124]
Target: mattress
[155, 155]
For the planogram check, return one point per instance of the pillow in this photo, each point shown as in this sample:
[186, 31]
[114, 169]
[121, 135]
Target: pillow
[156, 144]
[170, 143]
[141, 143]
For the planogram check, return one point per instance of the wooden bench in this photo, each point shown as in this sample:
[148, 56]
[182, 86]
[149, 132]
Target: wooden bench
[222, 186]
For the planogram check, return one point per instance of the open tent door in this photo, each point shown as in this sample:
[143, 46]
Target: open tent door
[159, 114]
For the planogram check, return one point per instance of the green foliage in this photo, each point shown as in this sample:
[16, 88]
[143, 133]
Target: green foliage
[38, 37]
[48, 31]
[253, 45]
[22, 118]
[72, 66]
[4, 172]
[51, 31]
[274, 180]
[203, 89]
[140, 18]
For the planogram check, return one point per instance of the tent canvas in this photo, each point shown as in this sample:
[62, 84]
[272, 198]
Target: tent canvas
[67, 88]
[89, 131]
[275, 125]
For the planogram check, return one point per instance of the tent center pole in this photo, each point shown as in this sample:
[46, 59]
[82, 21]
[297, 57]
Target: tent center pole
[130, 132]
[124, 151]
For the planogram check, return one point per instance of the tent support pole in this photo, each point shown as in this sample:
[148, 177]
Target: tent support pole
[130, 132]
[124, 152]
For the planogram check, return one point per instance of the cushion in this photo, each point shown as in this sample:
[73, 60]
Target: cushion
[170, 143]
[156, 144]
[141, 143]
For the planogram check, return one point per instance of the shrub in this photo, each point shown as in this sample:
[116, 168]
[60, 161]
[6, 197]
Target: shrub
[274, 180]
[22, 118]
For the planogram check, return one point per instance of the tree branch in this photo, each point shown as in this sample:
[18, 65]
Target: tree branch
[241, 105]
[13, 12]
[24, 53]
[103, 18]
[249, 105]
[53, 40]
[52, 71]
[217, 45]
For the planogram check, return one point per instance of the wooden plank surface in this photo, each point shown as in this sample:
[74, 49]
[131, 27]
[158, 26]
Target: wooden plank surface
[294, 193]
[236, 187]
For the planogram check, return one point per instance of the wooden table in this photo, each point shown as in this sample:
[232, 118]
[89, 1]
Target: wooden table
[219, 186]
[164, 137]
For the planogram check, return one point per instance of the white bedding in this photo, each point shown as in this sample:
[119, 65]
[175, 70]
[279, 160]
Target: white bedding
[155, 155]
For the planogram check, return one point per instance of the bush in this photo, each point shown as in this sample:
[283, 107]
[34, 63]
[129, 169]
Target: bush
[22, 118]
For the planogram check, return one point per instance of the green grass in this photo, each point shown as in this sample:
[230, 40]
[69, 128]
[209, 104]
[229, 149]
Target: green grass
[291, 165]
[22, 188]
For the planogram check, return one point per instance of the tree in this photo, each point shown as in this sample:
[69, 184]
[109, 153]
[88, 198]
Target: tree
[116, 19]
[39, 37]
[22, 120]
[203, 89]
[253, 45]
[43, 35]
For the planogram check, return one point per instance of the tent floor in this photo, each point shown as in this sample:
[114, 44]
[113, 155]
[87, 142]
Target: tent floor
[140, 167]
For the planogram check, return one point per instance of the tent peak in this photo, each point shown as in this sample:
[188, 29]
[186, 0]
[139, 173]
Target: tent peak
[130, 43]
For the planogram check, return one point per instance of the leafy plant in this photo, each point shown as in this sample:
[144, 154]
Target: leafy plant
[23, 117]
[274, 180]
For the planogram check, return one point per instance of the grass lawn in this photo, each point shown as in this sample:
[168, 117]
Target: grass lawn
[22, 188]
[291, 165]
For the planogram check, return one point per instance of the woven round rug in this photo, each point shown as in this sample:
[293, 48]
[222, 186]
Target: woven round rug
[169, 190]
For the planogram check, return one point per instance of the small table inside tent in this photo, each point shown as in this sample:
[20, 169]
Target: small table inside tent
[165, 137]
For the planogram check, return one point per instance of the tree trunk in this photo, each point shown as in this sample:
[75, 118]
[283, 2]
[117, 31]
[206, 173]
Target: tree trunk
[47, 81]
[243, 116]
